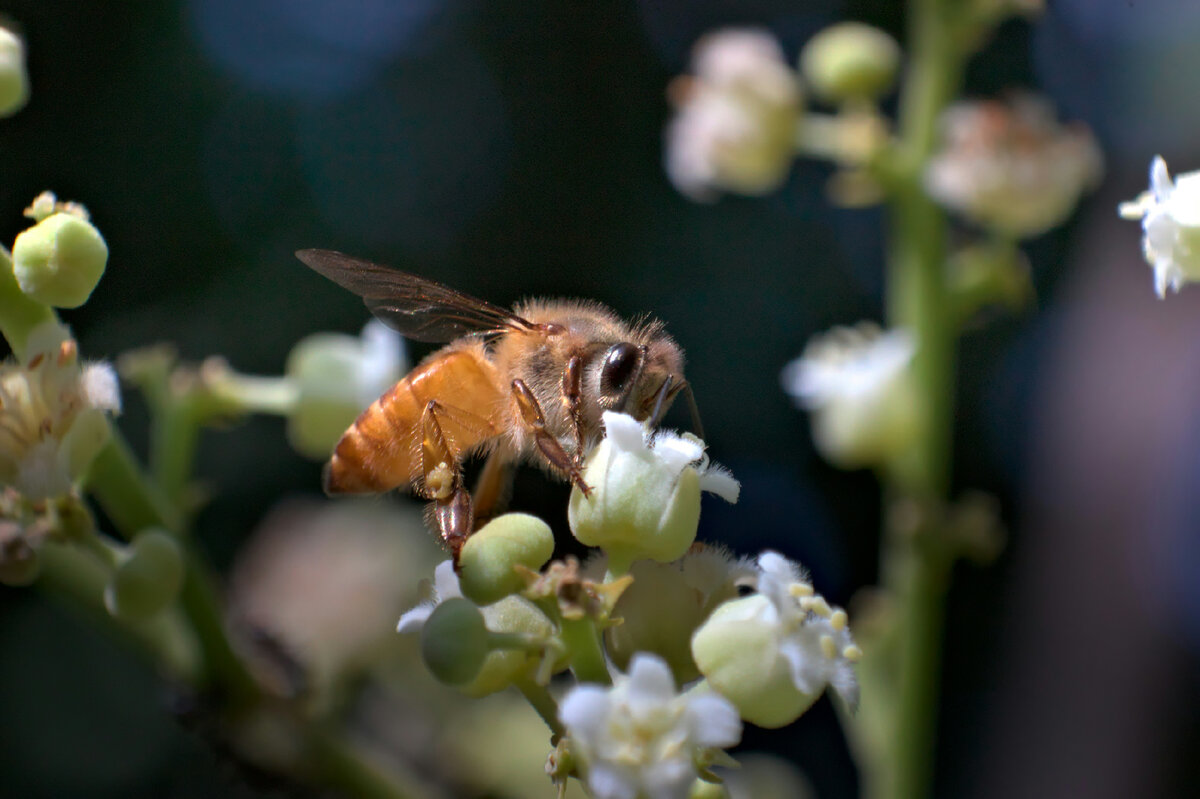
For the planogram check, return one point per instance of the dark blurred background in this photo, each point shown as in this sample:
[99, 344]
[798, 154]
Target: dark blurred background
[513, 148]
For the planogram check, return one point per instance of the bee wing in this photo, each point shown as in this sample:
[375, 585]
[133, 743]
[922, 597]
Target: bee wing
[419, 308]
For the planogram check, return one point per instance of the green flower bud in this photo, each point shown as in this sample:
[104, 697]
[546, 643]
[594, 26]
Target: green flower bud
[702, 789]
[658, 612]
[148, 580]
[336, 377]
[486, 562]
[454, 641]
[645, 502]
[850, 61]
[738, 653]
[513, 614]
[59, 260]
[14, 80]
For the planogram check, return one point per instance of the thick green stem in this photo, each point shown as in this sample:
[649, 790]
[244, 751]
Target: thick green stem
[582, 640]
[73, 575]
[351, 771]
[916, 566]
[125, 493]
[538, 696]
[18, 313]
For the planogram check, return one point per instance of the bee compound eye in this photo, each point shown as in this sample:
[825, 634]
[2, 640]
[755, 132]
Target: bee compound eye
[620, 365]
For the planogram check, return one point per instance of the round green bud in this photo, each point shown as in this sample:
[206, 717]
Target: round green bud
[454, 641]
[737, 651]
[14, 80]
[513, 614]
[486, 562]
[149, 578]
[850, 61]
[659, 612]
[59, 260]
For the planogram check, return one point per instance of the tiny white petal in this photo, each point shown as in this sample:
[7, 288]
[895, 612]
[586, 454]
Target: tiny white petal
[414, 620]
[1160, 179]
[626, 433]
[609, 782]
[584, 706]
[718, 480]
[100, 387]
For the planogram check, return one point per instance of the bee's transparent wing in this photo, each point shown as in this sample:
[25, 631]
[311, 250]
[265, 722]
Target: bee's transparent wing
[419, 308]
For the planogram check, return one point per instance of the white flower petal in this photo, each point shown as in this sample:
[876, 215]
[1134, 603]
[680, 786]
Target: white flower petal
[650, 680]
[100, 387]
[609, 782]
[414, 620]
[718, 480]
[626, 433]
[715, 721]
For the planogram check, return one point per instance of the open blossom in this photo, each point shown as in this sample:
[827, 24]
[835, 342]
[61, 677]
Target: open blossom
[640, 738]
[1010, 166]
[645, 501]
[856, 384]
[774, 652]
[53, 414]
[1170, 214]
[736, 119]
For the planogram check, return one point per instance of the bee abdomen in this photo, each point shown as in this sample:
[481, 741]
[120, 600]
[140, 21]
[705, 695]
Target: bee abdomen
[376, 453]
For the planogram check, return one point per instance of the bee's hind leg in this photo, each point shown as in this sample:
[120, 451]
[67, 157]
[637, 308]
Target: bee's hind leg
[453, 511]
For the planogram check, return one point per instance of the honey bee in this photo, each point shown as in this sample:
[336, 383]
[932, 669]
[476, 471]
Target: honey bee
[527, 384]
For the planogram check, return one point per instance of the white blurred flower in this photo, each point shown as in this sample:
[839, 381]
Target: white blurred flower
[53, 414]
[1011, 166]
[736, 120]
[445, 586]
[645, 500]
[773, 653]
[640, 738]
[856, 384]
[336, 377]
[1170, 214]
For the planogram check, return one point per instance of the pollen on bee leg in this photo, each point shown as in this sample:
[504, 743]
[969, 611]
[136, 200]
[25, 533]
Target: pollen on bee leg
[440, 481]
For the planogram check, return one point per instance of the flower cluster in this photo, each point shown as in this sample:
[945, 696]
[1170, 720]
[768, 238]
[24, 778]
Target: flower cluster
[1009, 166]
[53, 414]
[697, 656]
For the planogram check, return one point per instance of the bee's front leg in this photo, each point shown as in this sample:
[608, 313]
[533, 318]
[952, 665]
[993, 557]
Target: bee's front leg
[572, 393]
[453, 510]
[535, 423]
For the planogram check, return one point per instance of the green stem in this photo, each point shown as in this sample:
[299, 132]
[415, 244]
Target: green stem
[134, 503]
[352, 771]
[582, 640]
[72, 575]
[916, 567]
[18, 313]
[173, 439]
[538, 696]
[125, 493]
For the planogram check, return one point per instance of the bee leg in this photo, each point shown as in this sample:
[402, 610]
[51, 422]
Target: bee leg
[535, 422]
[493, 488]
[572, 396]
[452, 510]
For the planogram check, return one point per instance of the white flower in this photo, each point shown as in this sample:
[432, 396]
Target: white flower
[53, 414]
[645, 500]
[336, 377]
[856, 384]
[445, 586]
[1011, 166]
[736, 119]
[640, 738]
[1170, 214]
[773, 653]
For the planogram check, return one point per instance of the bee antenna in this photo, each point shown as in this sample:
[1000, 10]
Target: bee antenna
[694, 410]
[663, 392]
